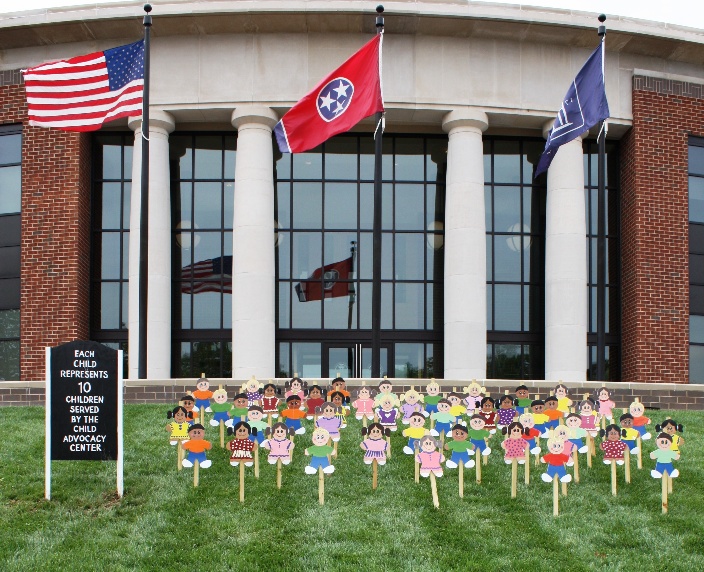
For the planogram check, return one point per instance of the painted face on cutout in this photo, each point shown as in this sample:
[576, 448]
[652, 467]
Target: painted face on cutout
[522, 393]
[180, 416]
[474, 389]
[516, 433]
[561, 432]
[454, 400]
[604, 395]
[329, 411]
[586, 408]
[314, 393]
[385, 387]
[573, 422]
[477, 423]
[487, 407]
[412, 398]
[337, 400]
[196, 434]
[387, 404]
[417, 421]
[280, 433]
[636, 409]
[364, 393]
[320, 437]
[443, 407]
[506, 403]
[556, 446]
[338, 385]
[428, 445]
[270, 392]
[240, 402]
[459, 434]
[375, 433]
[252, 385]
[432, 389]
[613, 435]
[296, 386]
[551, 404]
[255, 415]
[527, 420]
[189, 404]
[220, 397]
[560, 392]
[663, 443]
[294, 403]
[241, 432]
[670, 429]
[203, 385]
[538, 408]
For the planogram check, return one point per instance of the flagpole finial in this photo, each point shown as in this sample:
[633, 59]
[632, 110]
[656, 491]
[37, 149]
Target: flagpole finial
[147, 17]
[602, 28]
[379, 18]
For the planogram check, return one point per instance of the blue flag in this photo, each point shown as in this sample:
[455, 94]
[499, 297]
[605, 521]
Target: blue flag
[584, 106]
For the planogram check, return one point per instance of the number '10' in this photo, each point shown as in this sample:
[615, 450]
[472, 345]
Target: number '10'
[84, 387]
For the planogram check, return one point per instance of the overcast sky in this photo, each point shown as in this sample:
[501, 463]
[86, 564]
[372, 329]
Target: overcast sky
[684, 12]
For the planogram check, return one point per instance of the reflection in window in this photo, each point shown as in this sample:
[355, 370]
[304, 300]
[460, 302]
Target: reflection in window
[202, 201]
[696, 252]
[112, 185]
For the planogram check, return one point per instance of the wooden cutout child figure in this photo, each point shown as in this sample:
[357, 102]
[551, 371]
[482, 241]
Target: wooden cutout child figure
[255, 419]
[537, 408]
[375, 444]
[387, 412]
[319, 453]
[457, 408]
[432, 396]
[444, 420]
[295, 386]
[278, 443]
[341, 402]
[488, 414]
[196, 445]
[514, 445]
[203, 394]
[364, 404]
[522, 401]
[316, 396]
[478, 433]
[663, 456]
[385, 390]
[606, 404]
[328, 420]
[552, 412]
[241, 446]
[189, 402]
[563, 402]
[639, 420]
[293, 414]
[238, 410]
[339, 384]
[672, 428]
[412, 403]
[429, 457]
[589, 416]
[562, 432]
[505, 412]
[219, 407]
[628, 434]
[530, 433]
[612, 445]
[414, 432]
[270, 403]
[178, 428]
[252, 389]
[461, 448]
[473, 399]
[556, 460]
[576, 434]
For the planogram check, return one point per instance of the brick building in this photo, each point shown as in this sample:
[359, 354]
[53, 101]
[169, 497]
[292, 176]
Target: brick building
[488, 272]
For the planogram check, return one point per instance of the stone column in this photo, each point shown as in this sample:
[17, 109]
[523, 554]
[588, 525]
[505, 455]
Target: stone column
[253, 260]
[465, 246]
[159, 272]
[566, 266]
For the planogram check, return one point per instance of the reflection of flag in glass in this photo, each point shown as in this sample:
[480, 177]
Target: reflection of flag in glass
[326, 282]
[213, 275]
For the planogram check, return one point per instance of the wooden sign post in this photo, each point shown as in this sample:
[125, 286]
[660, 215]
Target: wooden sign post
[639, 444]
[256, 460]
[375, 473]
[434, 490]
[665, 479]
[84, 399]
[555, 497]
[321, 486]
[527, 466]
[278, 473]
[514, 478]
[241, 481]
[478, 469]
[461, 468]
[416, 463]
[613, 477]
[575, 459]
[196, 467]
[179, 456]
[627, 464]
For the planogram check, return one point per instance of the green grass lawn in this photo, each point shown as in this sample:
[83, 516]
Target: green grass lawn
[163, 523]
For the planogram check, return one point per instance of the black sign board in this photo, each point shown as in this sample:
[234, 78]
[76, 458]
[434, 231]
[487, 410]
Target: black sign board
[83, 400]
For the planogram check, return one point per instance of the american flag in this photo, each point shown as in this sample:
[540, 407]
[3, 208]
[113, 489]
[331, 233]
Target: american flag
[82, 93]
[213, 275]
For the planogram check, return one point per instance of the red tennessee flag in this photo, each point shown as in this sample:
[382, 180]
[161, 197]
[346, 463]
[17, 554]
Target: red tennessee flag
[330, 281]
[340, 101]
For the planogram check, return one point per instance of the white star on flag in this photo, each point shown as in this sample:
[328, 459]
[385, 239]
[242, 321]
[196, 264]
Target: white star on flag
[341, 90]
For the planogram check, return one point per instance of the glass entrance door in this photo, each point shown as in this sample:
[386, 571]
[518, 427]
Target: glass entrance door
[353, 360]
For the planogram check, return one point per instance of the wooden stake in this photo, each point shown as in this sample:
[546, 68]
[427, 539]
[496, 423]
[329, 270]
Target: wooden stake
[485, 458]
[627, 467]
[478, 468]
[564, 489]
[665, 478]
[241, 481]
[590, 448]
[613, 477]
[196, 466]
[514, 478]
[639, 444]
[434, 489]
[575, 458]
[202, 415]
[388, 448]
[365, 421]
[179, 459]
[256, 460]
[555, 497]
[321, 486]
[269, 419]
[527, 466]
[278, 473]
[334, 449]
[669, 484]
[375, 473]
[222, 434]
[461, 467]
[416, 477]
